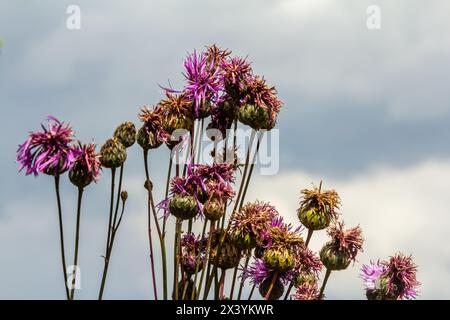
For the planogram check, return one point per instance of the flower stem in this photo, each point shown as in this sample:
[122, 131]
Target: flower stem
[272, 284]
[291, 285]
[222, 283]
[176, 256]
[233, 282]
[325, 280]
[61, 234]
[308, 237]
[114, 229]
[111, 210]
[77, 239]
[205, 269]
[149, 227]
[108, 240]
[197, 266]
[251, 292]
[241, 287]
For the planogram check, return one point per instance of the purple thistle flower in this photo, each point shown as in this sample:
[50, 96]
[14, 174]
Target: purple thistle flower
[192, 248]
[48, 151]
[401, 273]
[204, 80]
[87, 166]
[259, 271]
[393, 279]
[371, 274]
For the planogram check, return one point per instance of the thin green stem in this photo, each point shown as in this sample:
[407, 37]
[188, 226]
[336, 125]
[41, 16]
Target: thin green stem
[233, 282]
[77, 240]
[61, 234]
[251, 292]
[149, 223]
[176, 256]
[325, 280]
[197, 265]
[108, 240]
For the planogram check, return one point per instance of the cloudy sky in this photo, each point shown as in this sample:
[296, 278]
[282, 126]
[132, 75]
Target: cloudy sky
[365, 110]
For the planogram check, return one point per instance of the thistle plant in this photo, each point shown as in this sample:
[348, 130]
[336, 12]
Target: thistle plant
[393, 279]
[250, 239]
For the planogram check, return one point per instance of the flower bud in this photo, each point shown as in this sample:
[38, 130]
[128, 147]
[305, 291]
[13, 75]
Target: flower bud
[254, 116]
[304, 277]
[147, 139]
[313, 218]
[124, 196]
[113, 154]
[80, 176]
[214, 209]
[334, 259]
[126, 134]
[183, 207]
[278, 259]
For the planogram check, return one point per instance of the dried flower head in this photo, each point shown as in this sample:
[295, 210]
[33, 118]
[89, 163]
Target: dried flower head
[318, 208]
[152, 134]
[306, 261]
[349, 240]
[87, 166]
[176, 112]
[401, 274]
[343, 247]
[48, 151]
[215, 55]
[307, 291]
[260, 104]
[248, 225]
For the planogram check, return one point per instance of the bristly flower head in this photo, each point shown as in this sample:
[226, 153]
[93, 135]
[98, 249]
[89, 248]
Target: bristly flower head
[235, 71]
[261, 105]
[176, 112]
[281, 234]
[401, 273]
[318, 208]
[393, 279]
[249, 225]
[307, 291]
[371, 274]
[306, 261]
[204, 81]
[87, 166]
[193, 248]
[152, 133]
[215, 55]
[48, 151]
[349, 241]
[259, 271]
